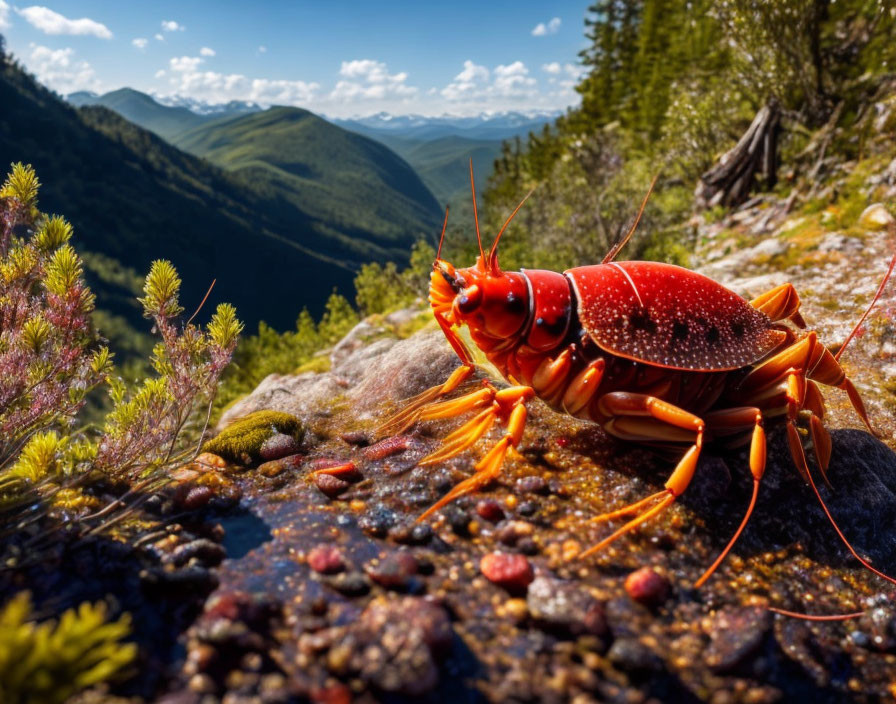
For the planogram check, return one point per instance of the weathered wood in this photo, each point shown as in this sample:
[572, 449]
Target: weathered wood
[730, 181]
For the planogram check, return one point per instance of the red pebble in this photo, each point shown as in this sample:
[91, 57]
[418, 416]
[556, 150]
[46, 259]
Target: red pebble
[320, 463]
[648, 587]
[389, 446]
[562, 441]
[197, 497]
[490, 510]
[326, 559]
[513, 572]
[331, 486]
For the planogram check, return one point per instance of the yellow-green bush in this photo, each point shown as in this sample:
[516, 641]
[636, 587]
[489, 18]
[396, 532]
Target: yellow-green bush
[47, 662]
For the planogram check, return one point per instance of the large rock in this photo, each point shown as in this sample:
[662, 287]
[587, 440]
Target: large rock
[367, 374]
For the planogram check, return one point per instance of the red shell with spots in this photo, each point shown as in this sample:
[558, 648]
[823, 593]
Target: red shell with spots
[669, 317]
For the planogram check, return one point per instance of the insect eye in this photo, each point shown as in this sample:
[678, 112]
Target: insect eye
[469, 299]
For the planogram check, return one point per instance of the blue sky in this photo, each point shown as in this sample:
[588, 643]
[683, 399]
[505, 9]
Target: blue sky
[337, 58]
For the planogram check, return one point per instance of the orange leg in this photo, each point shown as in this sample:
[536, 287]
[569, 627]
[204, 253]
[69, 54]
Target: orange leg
[510, 403]
[413, 407]
[642, 418]
[781, 303]
[758, 454]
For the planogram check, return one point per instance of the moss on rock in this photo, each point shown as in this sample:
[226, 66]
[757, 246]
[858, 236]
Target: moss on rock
[242, 440]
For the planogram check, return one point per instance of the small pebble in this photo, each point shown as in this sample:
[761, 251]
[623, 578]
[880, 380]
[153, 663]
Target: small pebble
[512, 572]
[527, 508]
[330, 486]
[356, 437]
[394, 571]
[207, 552]
[632, 656]
[532, 485]
[387, 447]
[490, 510]
[563, 606]
[458, 519]
[411, 533]
[277, 446]
[196, 497]
[326, 559]
[378, 522]
[647, 586]
[350, 583]
[209, 460]
[511, 532]
[527, 546]
[736, 636]
[276, 467]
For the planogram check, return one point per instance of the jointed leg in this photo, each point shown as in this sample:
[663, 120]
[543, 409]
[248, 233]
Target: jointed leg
[758, 454]
[410, 414]
[644, 418]
[781, 303]
[509, 403]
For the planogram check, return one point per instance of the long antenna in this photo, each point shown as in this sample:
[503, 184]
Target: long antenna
[493, 252]
[442, 236]
[880, 290]
[611, 255]
[475, 213]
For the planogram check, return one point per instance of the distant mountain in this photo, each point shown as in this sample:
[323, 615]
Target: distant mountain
[142, 110]
[493, 126]
[166, 118]
[370, 199]
[365, 199]
[200, 107]
[438, 148]
[133, 198]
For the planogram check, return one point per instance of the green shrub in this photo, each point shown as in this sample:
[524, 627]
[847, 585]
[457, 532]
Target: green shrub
[49, 661]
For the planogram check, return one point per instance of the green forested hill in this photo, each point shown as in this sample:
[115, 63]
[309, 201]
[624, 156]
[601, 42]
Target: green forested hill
[142, 110]
[133, 198]
[366, 195]
[443, 163]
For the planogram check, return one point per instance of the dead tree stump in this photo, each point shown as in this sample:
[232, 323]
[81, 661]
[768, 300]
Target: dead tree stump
[730, 181]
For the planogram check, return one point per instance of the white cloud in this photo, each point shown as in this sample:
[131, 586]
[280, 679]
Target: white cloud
[159, 37]
[262, 49]
[205, 51]
[469, 81]
[542, 29]
[58, 69]
[564, 77]
[172, 26]
[477, 83]
[185, 64]
[186, 78]
[513, 79]
[161, 73]
[50, 22]
[370, 80]
[4, 15]
[140, 42]
[555, 68]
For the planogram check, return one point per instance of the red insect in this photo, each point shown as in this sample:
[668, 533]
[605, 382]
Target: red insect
[654, 353]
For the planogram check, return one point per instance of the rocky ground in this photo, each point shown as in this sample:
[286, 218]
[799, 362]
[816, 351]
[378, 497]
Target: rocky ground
[253, 577]
[329, 590]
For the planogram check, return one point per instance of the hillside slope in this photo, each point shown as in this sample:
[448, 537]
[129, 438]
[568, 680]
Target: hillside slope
[142, 110]
[133, 198]
[353, 184]
[443, 163]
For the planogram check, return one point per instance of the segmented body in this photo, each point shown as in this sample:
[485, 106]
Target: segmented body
[695, 357]
[654, 353]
